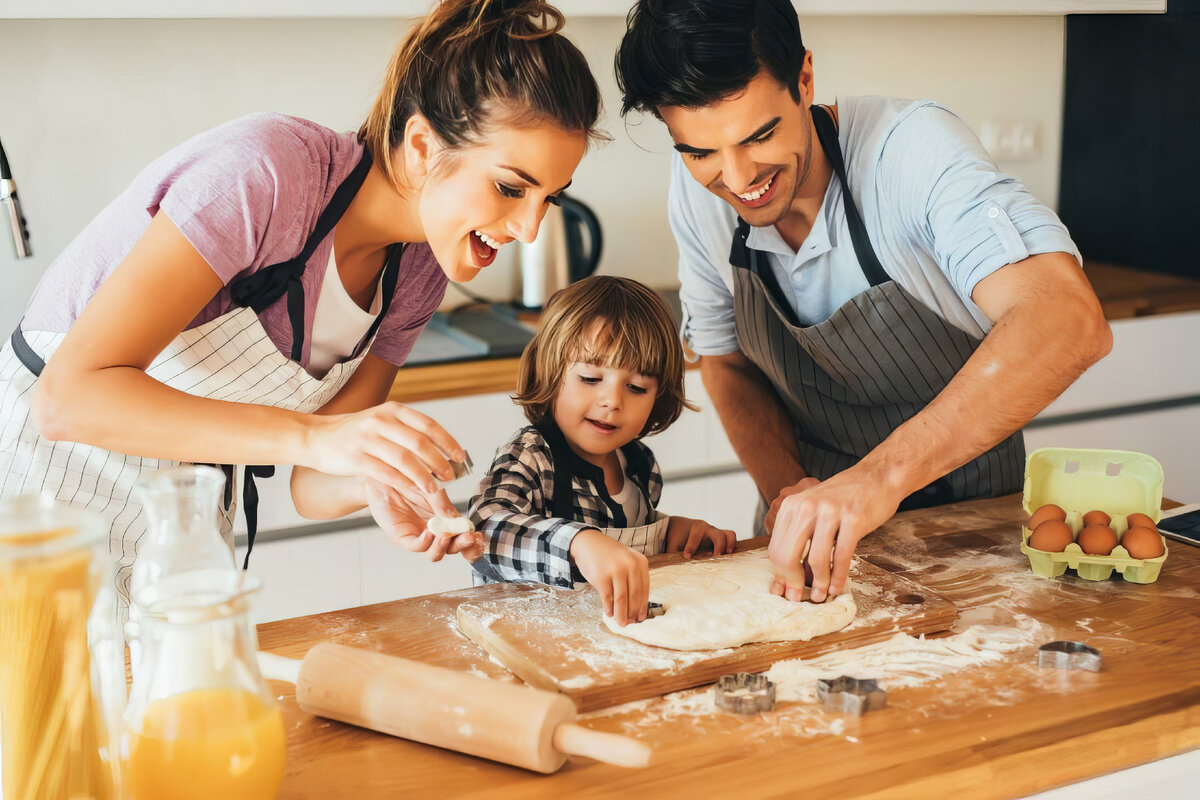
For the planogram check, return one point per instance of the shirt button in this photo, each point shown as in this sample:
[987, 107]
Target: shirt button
[993, 212]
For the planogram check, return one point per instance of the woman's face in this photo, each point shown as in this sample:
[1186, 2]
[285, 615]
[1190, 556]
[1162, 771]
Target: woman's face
[487, 195]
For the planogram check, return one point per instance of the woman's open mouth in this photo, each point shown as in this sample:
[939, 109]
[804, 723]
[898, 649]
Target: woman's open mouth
[483, 248]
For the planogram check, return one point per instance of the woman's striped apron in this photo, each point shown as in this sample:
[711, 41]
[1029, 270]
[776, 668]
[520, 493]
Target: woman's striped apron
[229, 358]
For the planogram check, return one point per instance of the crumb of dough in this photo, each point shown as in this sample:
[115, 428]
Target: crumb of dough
[449, 526]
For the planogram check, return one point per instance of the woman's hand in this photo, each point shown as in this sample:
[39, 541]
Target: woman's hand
[621, 575]
[404, 516]
[688, 534]
[390, 444]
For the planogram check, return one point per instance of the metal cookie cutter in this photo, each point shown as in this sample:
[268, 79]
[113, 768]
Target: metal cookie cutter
[461, 469]
[744, 693]
[654, 610]
[848, 695]
[1069, 655]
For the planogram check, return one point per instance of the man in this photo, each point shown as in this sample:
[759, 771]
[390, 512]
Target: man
[869, 349]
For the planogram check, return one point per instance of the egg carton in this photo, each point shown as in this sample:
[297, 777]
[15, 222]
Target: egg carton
[1117, 482]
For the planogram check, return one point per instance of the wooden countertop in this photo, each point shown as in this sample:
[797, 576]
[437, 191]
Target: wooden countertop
[1123, 293]
[1001, 730]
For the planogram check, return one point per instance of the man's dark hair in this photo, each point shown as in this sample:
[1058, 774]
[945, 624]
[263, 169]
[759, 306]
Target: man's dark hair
[691, 53]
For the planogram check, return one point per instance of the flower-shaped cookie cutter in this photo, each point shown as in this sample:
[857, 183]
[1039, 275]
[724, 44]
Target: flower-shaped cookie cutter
[1069, 655]
[744, 693]
[848, 695]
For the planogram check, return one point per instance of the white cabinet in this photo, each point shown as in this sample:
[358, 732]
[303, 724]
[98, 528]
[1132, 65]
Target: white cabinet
[1144, 396]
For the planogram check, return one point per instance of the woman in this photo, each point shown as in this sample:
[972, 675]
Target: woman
[249, 298]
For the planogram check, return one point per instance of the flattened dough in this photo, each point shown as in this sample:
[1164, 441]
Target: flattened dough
[727, 602]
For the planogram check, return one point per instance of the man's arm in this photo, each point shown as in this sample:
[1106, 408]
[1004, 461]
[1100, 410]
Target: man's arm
[755, 420]
[1048, 329]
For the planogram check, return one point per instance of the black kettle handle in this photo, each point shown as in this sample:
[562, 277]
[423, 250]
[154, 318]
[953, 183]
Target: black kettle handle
[576, 213]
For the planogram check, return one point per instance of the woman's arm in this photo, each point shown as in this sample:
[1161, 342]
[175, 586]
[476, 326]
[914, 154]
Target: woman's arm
[94, 388]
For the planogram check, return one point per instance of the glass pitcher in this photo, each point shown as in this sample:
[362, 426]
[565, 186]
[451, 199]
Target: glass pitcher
[201, 721]
[182, 535]
[62, 670]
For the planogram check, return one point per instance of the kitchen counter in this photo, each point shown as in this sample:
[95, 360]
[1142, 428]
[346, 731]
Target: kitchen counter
[999, 730]
[1123, 293]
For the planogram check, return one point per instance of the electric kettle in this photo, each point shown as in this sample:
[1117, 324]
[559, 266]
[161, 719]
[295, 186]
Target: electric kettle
[558, 257]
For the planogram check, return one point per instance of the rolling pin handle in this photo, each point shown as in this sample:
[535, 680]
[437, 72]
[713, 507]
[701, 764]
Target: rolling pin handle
[611, 748]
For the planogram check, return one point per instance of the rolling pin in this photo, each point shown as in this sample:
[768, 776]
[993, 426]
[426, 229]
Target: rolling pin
[506, 722]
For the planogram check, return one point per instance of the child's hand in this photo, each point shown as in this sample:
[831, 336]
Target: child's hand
[688, 534]
[404, 516]
[621, 575]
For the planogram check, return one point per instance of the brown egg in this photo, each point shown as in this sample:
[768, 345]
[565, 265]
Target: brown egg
[1046, 512]
[1097, 540]
[1143, 543]
[1095, 518]
[1136, 520]
[1052, 536]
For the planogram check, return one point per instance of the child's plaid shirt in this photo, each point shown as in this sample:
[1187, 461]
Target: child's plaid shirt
[514, 506]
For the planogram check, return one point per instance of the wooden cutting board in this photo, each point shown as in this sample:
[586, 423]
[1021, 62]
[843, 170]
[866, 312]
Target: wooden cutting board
[553, 638]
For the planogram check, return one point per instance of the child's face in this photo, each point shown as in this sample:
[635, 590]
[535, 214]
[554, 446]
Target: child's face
[599, 409]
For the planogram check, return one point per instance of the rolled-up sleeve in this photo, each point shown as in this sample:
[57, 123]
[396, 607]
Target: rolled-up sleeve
[703, 235]
[971, 217]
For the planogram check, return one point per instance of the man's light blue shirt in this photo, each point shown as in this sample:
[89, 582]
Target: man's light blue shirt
[939, 214]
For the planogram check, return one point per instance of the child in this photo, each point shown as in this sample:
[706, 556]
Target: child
[572, 496]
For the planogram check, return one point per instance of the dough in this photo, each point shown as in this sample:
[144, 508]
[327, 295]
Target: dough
[449, 526]
[727, 602]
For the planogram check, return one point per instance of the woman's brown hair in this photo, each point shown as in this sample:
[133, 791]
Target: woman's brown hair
[610, 322]
[472, 63]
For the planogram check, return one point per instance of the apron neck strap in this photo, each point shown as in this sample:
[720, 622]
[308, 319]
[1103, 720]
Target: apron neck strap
[268, 284]
[827, 134]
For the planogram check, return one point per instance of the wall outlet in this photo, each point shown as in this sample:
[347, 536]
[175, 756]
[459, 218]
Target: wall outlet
[1012, 141]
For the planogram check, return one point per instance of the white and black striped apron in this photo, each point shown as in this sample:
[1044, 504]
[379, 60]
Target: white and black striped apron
[229, 358]
[849, 381]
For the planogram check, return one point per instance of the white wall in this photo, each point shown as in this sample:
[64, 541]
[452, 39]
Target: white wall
[85, 104]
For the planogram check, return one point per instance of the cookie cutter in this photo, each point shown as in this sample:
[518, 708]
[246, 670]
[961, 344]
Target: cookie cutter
[654, 610]
[1069, 655]
[847, 695]
[744, 693]
[461, 469]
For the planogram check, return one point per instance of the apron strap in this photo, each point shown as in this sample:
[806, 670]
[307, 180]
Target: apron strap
[29, 359]
[268, 284]
[867, 260]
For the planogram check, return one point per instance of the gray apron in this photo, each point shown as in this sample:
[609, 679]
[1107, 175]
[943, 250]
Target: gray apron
[851, 380]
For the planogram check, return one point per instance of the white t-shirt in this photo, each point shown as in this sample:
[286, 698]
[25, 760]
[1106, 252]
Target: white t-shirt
[631, 499]
[338, 324]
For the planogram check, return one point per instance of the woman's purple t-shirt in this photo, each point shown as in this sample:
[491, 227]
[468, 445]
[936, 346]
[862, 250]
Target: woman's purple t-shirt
[246, 195]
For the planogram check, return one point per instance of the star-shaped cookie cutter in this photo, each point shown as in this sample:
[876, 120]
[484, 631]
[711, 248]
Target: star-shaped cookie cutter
[848, 695]
[1069, 655]
[744, 693]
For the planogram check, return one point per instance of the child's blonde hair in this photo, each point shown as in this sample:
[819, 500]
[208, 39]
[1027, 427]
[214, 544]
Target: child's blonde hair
[610, 322]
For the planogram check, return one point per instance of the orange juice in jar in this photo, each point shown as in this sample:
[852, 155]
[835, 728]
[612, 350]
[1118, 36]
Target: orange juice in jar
[201, 721]
[208, 743]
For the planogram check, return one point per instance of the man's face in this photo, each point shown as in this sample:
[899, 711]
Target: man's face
[753, 149]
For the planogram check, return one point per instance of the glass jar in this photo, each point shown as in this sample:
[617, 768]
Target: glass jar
[201, 721]
[183, 535]
[60, 695]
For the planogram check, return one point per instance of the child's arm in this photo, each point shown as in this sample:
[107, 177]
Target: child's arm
[521, 542]
[620, 574]
[688, 534]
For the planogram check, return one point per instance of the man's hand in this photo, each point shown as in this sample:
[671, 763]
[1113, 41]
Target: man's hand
[620, 574]
[404, 514]
[821, 522]
[688, 534]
